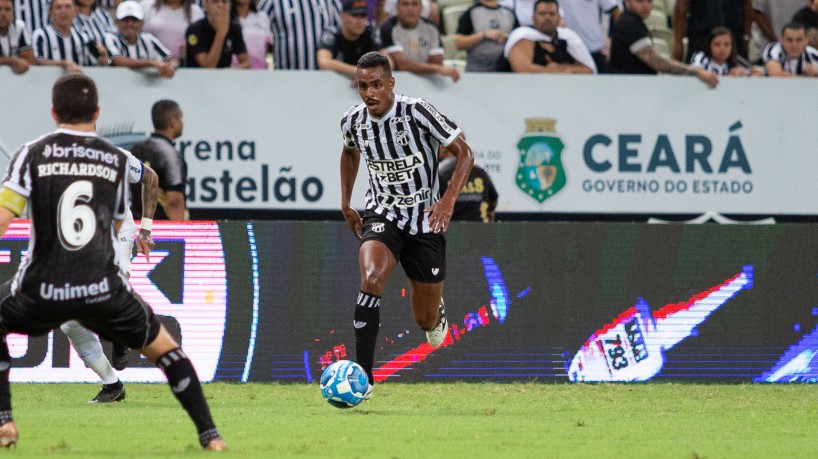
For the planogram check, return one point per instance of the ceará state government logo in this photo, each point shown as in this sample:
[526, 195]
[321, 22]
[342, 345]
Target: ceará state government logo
[540, 173]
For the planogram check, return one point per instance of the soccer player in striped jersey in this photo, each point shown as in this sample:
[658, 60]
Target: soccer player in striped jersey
[15, 40]
[132, 48]
[405, 218]
[297, 28]
[61, 44]
[791, 56]
[80, 186]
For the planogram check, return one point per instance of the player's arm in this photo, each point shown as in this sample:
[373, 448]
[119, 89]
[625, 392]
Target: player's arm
[441, 211]
[350, 160]
[12, 205]
[175, 205]
[150, 196]
[660, 63]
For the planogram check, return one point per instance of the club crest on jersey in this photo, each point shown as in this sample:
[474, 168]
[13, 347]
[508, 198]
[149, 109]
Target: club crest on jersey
[402, 138]
[540, 173]
[378, 227]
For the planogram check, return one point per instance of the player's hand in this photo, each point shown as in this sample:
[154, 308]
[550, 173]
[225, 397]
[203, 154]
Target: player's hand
[709, 78]
[354, 221]
[19, 66]
[440, 214]
[144, 243]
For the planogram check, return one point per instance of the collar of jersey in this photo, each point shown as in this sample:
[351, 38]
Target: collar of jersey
[389, 113]
[73, 132]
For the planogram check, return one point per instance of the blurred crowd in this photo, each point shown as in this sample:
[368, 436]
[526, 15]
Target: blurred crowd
[707, 39]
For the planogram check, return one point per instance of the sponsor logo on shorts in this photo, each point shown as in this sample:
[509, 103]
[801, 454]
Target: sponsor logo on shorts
[378, 228]
[70, 292]
[435, 271]
[358, 324]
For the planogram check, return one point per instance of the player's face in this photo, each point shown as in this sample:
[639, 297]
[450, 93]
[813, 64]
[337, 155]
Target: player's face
[375, 88]
[6, 14]
[720, 48]
[640, 7]
[794, 42]
[178, 125]
[129, 28]
[355, 24]
[547, 18]
[63, 12]
[408, 12]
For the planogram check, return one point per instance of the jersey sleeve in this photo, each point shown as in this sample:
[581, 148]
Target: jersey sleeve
[438, 125]
[346, 131]
[464, 24]
[327, 40]
[16, 186]
[135, 168]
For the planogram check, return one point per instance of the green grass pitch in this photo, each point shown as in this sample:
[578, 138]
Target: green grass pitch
[453, 420]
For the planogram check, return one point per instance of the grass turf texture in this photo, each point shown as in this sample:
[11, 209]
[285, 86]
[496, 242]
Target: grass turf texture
[466, 420]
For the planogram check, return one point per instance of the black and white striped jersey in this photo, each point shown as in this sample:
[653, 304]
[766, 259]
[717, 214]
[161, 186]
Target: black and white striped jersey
[297, 26]
[51, 45]
[96, 25]
[775, 52]
[400, 150]
[34, 13]
[146, 48]
[16, 39]
[76, 184]
[702, 60]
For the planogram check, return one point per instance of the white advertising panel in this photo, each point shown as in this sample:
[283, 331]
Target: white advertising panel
[574, 144]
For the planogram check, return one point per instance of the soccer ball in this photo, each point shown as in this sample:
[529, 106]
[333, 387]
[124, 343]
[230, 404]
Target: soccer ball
[344, 384]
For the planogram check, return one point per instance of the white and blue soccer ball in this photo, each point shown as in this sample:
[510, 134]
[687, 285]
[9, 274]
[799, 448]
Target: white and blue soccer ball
[344, 384]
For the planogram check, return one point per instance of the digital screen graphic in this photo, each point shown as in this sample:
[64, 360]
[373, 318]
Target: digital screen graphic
[273, 301]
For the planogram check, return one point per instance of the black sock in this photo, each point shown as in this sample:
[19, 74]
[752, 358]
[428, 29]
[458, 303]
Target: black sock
[5, 389]
[186, 387]
[367, 322]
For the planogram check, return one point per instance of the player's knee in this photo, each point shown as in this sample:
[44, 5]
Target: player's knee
[372, 282]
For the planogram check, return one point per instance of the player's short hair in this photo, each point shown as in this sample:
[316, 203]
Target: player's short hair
[162, 112]
[375, 59]
[75, 99]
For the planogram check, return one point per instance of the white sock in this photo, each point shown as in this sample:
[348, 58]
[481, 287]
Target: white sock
[89, 348]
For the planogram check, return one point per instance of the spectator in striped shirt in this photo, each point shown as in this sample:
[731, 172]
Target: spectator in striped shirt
[95, 23]
[63, 45]
[34, 13]
[15, 40]
[720, 57]
[131, 48]
[791, 56]
[297, 28]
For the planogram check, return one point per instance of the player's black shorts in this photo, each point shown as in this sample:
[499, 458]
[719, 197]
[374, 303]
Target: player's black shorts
[423, 256]
[123, 318]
